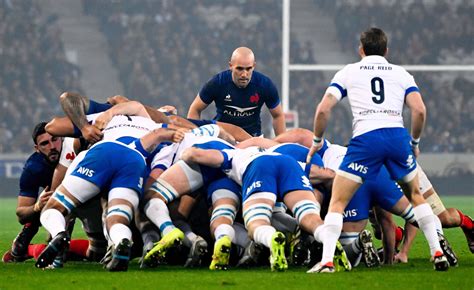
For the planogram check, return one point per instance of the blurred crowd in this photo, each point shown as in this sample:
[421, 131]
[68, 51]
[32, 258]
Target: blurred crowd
[166, 50]
[34, 72]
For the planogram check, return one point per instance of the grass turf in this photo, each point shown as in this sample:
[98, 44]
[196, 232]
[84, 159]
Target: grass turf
[417, 274]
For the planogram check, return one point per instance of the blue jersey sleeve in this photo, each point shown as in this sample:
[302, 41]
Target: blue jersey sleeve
[29, 186]
[273, 98]
[208, 91]
[94, 107]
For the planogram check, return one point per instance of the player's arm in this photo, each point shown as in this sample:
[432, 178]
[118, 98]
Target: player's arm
[197, 106]
[257, 141]
[29, 208]
[278, 122]
[208, 157]
[321, 118]
[148, 143]
[238, 133]
[75, 107]
[417, 107]
[132, 108]
[61, 127]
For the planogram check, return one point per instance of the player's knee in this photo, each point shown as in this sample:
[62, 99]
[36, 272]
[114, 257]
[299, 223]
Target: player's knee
[305, 208]
[119, 213]
[223, 214]
[164, 191]
[257, 213]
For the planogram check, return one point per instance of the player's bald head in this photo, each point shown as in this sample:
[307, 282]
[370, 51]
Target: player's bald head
[242, 54]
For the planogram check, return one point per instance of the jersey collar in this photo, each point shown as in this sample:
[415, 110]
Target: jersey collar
[374, 59]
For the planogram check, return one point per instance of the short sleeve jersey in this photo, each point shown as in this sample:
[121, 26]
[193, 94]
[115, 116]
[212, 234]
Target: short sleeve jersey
[37, 173]
[376, 91]
[240, 106]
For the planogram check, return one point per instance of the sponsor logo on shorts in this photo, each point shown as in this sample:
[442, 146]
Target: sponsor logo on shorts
[350, 213]
[255, 184]
[358, 167]
[85, 171]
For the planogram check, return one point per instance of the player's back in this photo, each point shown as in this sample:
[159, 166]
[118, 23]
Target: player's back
[376, 91]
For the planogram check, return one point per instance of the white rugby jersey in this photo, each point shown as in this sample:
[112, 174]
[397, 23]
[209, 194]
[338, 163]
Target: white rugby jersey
[126, 126]
[67, 152]
[169, 155]
[240, 160]
[332, 157]
[376, 91]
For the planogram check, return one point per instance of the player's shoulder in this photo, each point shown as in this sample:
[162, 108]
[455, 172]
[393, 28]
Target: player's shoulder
[221, 78]
[35, 163]
[261, 79]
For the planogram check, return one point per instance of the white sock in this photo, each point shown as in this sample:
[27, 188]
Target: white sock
[263, 235]
[157, 211]
[224, 230]
[330, 234]
[426, 221]
[241, 236]
[317, 233]
[118, 232]
[438, 225]
[53, 221]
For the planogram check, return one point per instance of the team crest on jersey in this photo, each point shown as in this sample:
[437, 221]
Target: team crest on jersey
[228, 98]
[70, 156]
[254, 98]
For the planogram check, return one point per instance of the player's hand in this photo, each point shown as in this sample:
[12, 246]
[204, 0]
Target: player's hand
[168, 109]
[91, 133]
[117, 100]
[400, 258]
[103, 119]
[315, 148]
[178, 135]
[43, 199]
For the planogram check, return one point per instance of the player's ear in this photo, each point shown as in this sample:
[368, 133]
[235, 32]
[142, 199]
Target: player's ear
[230, 65]
[37, 148]
[386, 52]
[361, 51]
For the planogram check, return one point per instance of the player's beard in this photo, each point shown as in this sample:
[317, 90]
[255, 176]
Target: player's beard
[53, 156]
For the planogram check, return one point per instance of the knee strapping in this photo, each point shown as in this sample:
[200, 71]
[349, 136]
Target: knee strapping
[165, 190]
[120, 210]
[224, 211]
[258, 211]
[305, 207]
[64, 200]
[408, 214]
[127, 194]
[224, 193]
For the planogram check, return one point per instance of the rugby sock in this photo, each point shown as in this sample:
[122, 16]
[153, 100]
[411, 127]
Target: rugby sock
[398, 236]
[118, 232]
[189, 236]
[79, 247]
[438, 225]
[224, 230]
[241, 236]
[350, 242]
[263, 235]
[466, 222]
[317, 233]
[53, 221]
[284, 222]
[330, 234]
[425, 218]
[157, 211]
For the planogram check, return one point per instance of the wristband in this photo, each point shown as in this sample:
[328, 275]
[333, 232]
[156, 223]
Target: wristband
[317, 140]
[415, 142]
[36, 207]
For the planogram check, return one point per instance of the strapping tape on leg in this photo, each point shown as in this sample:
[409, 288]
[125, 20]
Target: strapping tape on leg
[165, 190]
[258, 211]
[65, 201]
[305, 207]
[224, 211]
[120, 210]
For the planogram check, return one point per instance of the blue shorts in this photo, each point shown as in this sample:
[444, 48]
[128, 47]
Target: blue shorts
[109, 165]
[299, 153]
[383, 192]
[222, 183]
[284, 175]
[368, 152]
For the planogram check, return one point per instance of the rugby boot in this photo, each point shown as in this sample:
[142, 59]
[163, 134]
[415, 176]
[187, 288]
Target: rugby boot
[221, 254]
[319, 268]
[158, 252]
[250, 256]
[341, 262]
[448, 251]
[120, 257]
[56, 246]
[19, 249]
[369, 253]
[277, 252]
[440, 262]
[196, 253]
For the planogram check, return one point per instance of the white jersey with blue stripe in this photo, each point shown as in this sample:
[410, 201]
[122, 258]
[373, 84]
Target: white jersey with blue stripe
[333, 156]
[171, 154]
[121, 126]
[376, 91]
[240, 159]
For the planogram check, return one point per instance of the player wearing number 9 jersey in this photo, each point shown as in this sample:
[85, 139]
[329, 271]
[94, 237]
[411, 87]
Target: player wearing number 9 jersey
[377, 92]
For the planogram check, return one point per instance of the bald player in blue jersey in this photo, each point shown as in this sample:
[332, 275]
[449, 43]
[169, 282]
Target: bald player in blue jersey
[239, 94]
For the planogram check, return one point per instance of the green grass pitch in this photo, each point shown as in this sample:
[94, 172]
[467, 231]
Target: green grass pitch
[417, 274]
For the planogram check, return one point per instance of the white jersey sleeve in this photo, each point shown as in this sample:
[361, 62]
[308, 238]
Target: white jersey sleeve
[376, 91]
[209, 130]
[333, 156]
[165, 158]
[67, 152]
